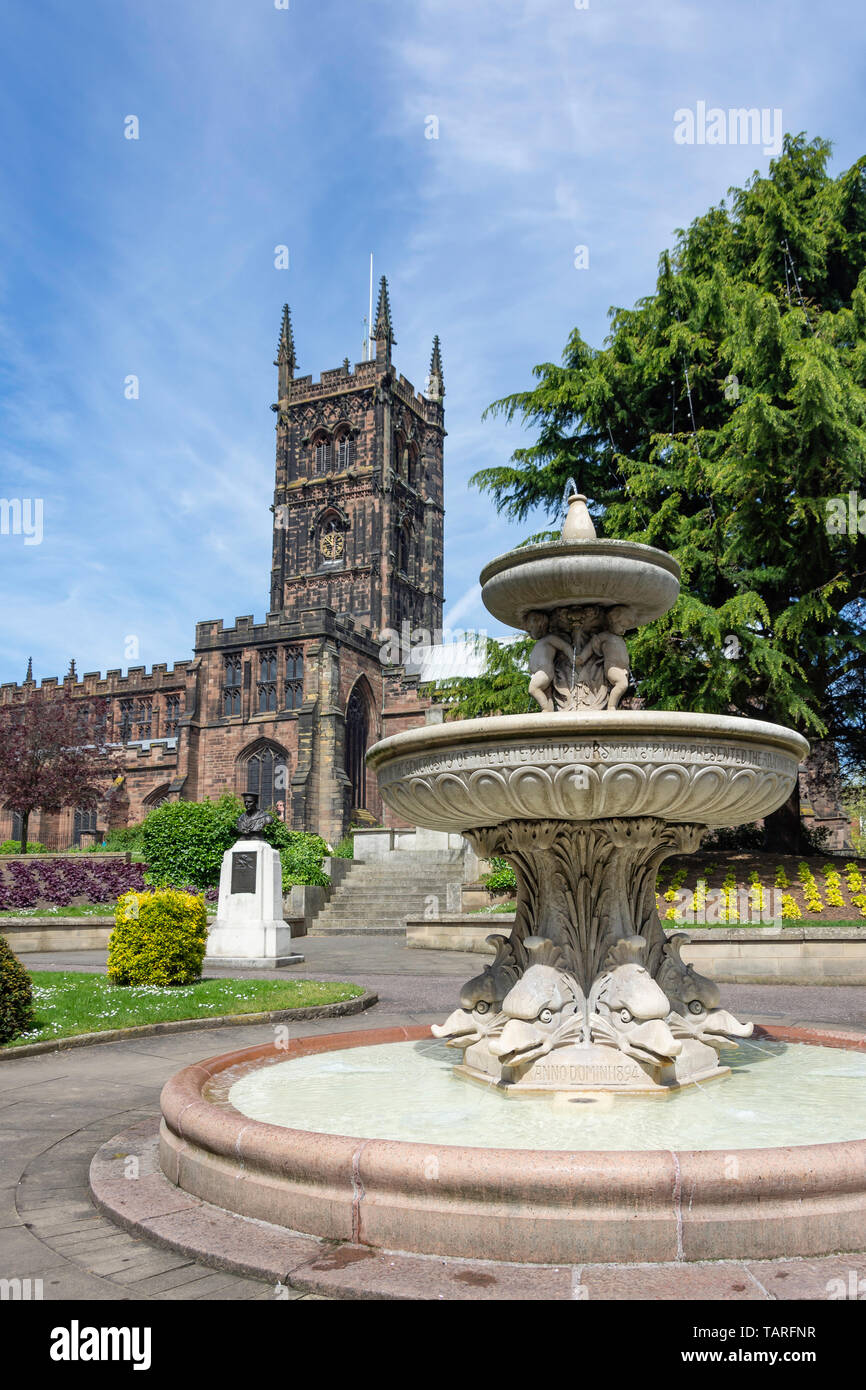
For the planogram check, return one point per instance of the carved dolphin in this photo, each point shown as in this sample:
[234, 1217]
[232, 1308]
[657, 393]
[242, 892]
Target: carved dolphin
[633, 1009]
[535, 1010]
[481, 998]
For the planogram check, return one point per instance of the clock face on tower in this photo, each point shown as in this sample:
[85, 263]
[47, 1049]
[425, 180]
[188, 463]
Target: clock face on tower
[331, 545]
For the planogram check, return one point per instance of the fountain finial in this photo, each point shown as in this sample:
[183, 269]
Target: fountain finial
[578, 522]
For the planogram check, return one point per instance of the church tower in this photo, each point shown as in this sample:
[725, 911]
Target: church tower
[358, 500]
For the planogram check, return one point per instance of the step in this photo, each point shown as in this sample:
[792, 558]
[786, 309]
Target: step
[342, 918]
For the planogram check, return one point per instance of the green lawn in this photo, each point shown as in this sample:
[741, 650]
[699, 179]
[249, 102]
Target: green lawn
[69, 1001]
[81, 910]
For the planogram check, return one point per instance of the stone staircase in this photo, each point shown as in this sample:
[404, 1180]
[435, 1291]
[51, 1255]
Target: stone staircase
[374, 897]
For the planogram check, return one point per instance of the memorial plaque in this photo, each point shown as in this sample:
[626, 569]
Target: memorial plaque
[243, 872]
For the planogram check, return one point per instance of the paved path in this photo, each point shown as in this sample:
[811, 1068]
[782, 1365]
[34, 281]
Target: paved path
[423, 983]
[57, 1109]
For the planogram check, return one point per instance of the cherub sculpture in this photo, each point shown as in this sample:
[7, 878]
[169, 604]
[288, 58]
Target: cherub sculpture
[542, 658]
[609, 646]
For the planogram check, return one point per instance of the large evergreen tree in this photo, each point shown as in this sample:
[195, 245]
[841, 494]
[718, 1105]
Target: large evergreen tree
[723, 414]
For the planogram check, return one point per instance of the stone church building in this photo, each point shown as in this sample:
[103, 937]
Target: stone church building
[287, 707]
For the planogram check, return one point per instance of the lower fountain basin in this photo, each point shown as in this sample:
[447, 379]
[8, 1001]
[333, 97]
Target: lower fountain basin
[705, 769]
[703, 1175]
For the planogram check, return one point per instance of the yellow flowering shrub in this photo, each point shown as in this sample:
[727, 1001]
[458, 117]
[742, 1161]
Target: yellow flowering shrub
[810, 887]
[159, 938]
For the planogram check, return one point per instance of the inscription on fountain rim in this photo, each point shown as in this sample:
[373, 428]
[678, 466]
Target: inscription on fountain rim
[638, 752]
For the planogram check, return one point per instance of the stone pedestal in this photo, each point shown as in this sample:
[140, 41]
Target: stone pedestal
[249, 929]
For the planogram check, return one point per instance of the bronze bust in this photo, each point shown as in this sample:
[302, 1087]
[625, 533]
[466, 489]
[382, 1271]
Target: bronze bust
[251, 822]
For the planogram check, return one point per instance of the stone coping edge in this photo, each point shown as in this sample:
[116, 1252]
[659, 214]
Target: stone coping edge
[491, 732]
[512, 1205]
[172, 1220]
[811, 932]
[341, 1008]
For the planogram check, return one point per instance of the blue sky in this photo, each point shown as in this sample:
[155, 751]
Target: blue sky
[306, 127]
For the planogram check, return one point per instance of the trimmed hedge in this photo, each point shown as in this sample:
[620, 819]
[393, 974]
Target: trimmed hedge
[184, 842]
[16, 995]
[159, 938]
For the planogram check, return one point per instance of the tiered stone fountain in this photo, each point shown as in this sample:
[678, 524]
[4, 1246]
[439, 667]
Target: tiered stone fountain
[587, 1010]
[586, 800]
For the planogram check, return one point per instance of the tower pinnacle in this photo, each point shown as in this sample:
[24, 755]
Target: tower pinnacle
[435, 377]
[383, 333]
[285, 359]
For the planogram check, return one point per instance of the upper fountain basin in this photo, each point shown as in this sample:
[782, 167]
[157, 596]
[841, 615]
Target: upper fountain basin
[607, 572]
[704, 769]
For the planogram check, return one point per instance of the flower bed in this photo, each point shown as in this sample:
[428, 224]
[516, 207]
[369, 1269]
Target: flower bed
[66, 881]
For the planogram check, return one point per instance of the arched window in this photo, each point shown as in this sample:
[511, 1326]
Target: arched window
[412, 472]
[357, 735]
[344, 449]
[144, 718]
[404, 549]
[157, 797]
[401, 456]
[172, 715]
[267, 682]
[232, 676]
[294, 692]
[125, 722]
[84, 823]
[17, 825]
[267, 776]
[323, 453]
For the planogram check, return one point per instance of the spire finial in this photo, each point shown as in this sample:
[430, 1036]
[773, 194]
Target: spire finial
[28, 679]
[435, 376]
[72, 674]
[285, 359]
[383, 332]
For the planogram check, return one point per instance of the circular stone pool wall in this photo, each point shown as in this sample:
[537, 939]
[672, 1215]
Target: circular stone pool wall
[519, 1205]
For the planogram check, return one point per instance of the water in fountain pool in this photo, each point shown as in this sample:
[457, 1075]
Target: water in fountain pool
[777, 1094]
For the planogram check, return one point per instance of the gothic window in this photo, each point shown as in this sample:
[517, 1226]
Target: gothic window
[401, 456]
[294, 690]
[267, 682]
[412, 466]
[323, 451]
[144, 718]
[158, 797]
[403, 550]
[17, 825]
[84, 823]
[232, 677]
[357, 734]
[267, 777]
[172, 715]
[344, 450]
[331, 541]
[125, 725]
